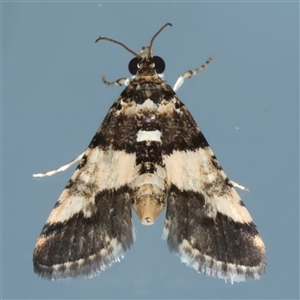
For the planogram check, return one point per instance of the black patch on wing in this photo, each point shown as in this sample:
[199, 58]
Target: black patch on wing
[57, 204]
[242, 203]
[69, 184]
[117, 132]
[81, 237]
[216, 163]
[82, 162]
[220, 238]
[180, 131]
[228, 182]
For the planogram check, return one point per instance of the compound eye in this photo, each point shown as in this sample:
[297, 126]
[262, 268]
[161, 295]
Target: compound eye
[133, 66]
[159, 64]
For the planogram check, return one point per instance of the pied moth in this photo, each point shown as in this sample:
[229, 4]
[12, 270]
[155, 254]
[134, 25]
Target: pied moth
[147, 154]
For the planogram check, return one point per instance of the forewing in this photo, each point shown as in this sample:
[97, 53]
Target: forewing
[207, 223]
[90, 226]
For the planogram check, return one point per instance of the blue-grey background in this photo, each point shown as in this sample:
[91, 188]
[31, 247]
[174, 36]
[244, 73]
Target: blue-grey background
[246, 102]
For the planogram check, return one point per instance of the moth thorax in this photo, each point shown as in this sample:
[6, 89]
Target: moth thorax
[149, 202]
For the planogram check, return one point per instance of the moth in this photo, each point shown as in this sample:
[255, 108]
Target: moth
[149, 154]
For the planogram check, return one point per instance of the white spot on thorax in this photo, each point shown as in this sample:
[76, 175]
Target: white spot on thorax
[149, 136]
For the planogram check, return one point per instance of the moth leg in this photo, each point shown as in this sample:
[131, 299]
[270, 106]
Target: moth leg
[190, 73]
[235, 184]
[61, 169]
[119, 82]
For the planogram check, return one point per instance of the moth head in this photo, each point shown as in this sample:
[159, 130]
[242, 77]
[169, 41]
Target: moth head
[146, 57]
[156, 62]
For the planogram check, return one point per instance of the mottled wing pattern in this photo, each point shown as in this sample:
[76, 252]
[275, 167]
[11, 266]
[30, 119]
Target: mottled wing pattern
[90, 226]
[207, 223]
[148, 153]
